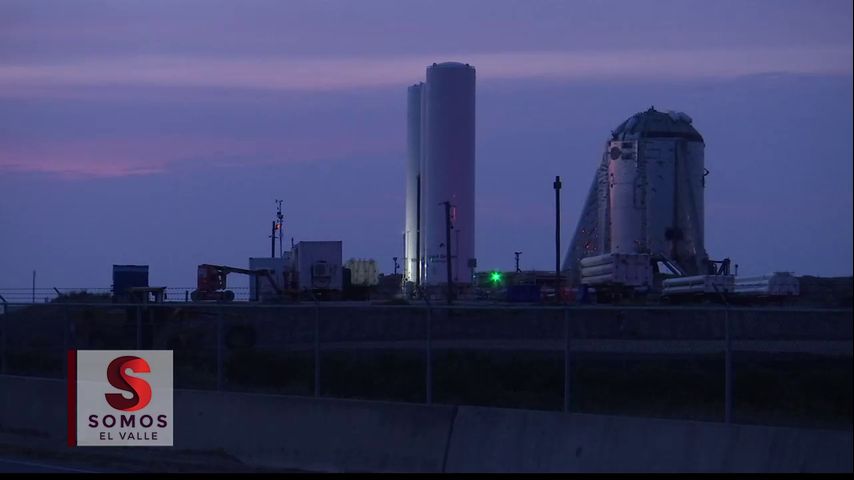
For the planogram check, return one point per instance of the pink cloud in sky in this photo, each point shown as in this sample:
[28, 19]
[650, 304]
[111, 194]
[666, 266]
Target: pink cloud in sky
[117, 157]
[133, 154]
[329, 73]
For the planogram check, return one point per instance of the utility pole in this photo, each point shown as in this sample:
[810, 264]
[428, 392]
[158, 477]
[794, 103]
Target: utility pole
[396, 265]
[456, 275]
[418, 236]
[448, 251]
[557, 186]
[518, 270]
[273, 240]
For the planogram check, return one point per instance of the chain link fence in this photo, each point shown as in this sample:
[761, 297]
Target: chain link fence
[770, 366]
[17, 297]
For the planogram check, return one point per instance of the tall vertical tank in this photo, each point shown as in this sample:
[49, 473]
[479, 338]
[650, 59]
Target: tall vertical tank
[422, 204]
[447, 171]
[413, 179]
[647, 195]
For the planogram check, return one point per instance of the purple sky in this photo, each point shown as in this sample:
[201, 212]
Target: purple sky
[160, 132]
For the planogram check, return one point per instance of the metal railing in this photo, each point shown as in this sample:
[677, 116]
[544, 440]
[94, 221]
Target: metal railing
[317, 349]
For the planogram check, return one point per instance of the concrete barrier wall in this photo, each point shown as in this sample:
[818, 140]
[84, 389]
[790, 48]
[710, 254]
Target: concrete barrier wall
[501, 440]
[283, 432]
[280, 432]
[34, 409]
[269, 431]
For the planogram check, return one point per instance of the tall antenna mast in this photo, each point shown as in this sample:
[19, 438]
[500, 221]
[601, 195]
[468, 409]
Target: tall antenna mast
[279, 222]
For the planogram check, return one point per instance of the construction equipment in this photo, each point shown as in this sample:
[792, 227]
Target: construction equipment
[211, 282]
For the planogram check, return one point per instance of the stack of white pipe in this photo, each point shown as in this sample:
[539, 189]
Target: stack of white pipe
[773, 284]
[625, 269]
[698, 284]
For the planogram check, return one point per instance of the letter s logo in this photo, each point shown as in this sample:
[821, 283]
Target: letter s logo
[139, 388]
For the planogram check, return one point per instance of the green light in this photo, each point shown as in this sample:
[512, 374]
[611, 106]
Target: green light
[495, 277]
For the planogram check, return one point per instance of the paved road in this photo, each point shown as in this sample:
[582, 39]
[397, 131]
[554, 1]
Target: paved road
[21, 465]
[15, 463]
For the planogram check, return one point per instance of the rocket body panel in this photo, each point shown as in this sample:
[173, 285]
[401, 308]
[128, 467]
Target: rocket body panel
[661, 194]
[649, 191]
[625, 200]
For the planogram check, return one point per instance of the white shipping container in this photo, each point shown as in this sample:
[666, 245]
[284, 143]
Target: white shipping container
[318, 265]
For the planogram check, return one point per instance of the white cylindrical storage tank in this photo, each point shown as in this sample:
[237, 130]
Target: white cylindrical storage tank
[448, 162]
[422, 208]
[413, 174]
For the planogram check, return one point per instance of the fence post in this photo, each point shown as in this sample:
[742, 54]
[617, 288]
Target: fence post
[219, 350]
[4, 332]
[66, 328]
[72, 331]
[727, 368]
[428, 374]
[138, 327]
[316, 350]
[566, 360]
[727, 358]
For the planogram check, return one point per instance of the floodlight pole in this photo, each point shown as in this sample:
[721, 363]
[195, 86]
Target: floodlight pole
[557, 186]
[448, 251]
